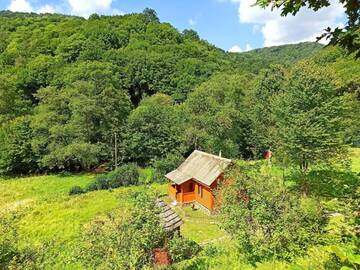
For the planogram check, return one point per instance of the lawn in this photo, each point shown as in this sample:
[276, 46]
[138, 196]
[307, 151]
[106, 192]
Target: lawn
[355, 158]
[50, 214]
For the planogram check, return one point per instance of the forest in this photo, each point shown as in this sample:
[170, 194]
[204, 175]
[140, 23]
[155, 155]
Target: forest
[94, 112]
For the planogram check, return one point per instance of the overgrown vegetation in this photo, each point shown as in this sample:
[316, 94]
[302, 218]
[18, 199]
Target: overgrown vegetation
[267, 220]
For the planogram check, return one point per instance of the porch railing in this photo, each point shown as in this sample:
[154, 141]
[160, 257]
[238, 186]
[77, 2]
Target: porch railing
[188, 197]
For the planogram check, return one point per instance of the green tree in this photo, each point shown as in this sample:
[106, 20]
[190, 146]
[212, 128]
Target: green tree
[16, 155]
[74, 126]
[310, 117]
[216, 115]
[12, 100]
[265, 219]
[270, 83]
[154, 129]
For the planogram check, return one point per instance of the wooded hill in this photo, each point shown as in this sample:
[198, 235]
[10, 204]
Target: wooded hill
[68, 85]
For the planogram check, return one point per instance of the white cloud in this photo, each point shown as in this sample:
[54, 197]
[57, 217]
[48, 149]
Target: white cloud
[248, 48]
[277, 30]
[192, 22]
[20, 6]
[25, 6]
[235, 49]
[87, 7]
[46, 9]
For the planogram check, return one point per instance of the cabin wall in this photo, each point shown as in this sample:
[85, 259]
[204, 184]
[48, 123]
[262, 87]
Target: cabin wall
[205, 197]
[172, 191]
[190, 192]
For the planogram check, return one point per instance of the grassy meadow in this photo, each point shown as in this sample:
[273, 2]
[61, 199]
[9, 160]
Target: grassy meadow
[49, 214]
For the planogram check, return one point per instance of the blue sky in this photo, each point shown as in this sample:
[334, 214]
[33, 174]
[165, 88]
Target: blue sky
[233, 25]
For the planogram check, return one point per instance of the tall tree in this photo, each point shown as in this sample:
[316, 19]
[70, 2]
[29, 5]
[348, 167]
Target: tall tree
[74, 125]
[216, 115]
[16, 155]
[154, 129]
[269, 84]
[310, 117]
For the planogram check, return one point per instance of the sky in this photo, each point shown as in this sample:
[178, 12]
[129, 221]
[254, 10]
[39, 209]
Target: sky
[233, 25]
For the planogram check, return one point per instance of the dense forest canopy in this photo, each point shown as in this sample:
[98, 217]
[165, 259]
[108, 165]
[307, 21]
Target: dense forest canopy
[69, 85]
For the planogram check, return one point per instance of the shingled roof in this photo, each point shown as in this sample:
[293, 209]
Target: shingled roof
[168, 217]
[200, 166]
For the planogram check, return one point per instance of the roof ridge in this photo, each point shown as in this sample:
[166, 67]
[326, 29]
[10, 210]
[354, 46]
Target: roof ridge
[212, 155]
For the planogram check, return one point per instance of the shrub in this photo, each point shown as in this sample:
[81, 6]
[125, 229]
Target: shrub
[76, 190]
[125, 175]
[182, 248]
[118, 242]
[266, 219]
[101, 182]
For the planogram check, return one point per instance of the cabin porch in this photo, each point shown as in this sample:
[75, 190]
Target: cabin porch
[184, 193]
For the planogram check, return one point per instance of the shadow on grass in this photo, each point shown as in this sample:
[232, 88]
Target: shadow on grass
[329, 183]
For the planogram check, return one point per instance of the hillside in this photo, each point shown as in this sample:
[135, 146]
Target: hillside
[255, 60]
[69, 74]
[151, 56]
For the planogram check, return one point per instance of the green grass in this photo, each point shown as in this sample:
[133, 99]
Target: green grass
[198, 225]
[40, 188]
[355, 158]
[51, 214]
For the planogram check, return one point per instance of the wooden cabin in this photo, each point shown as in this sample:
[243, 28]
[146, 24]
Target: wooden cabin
[196, 178]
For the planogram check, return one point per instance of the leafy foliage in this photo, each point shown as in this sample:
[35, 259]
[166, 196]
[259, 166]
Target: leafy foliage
[16, 154]
[113, 242]
[265, 219]
[182, 249]
[75, 190]
[310, 117]
[153, 129]
[125, 175]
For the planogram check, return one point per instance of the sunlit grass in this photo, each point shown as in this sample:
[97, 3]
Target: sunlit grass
[50, 214]
[355, 158]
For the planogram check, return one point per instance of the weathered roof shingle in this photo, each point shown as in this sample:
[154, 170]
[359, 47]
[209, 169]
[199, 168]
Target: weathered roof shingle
[200, 166]
[168, 217]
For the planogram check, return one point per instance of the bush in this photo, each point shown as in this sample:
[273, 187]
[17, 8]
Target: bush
[125, 175]
[182, 248]
[76, 190]
[114, 241]
[266, 219]
[101, 182]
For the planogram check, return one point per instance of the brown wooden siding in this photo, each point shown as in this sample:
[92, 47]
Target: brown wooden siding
[191, 191]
